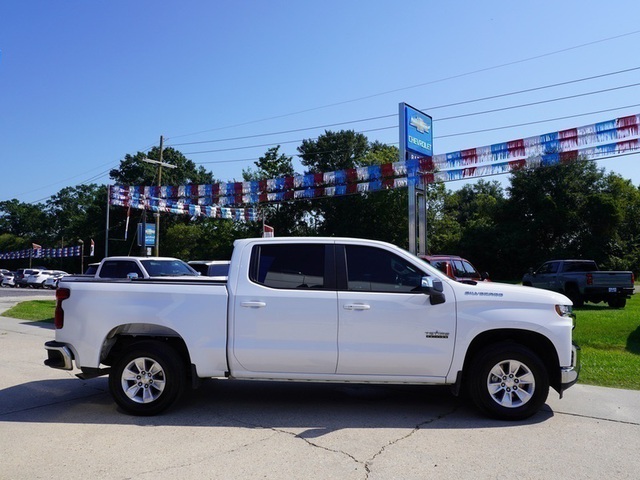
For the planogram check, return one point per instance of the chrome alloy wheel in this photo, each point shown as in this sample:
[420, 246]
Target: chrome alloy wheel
[143, 380]
[511, 383]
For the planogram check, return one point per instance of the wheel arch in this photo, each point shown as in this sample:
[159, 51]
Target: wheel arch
[536, 342]
[124, 337]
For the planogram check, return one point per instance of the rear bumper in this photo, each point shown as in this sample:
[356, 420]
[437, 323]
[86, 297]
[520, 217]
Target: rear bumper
[59, 355]
[609, 291]
[569, 375]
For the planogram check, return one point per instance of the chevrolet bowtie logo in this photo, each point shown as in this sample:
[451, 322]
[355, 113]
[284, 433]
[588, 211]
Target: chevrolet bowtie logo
[419, 124]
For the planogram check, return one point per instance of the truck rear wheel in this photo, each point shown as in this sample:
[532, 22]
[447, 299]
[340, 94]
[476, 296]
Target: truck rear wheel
[617, 302]
[508, 382]
[148, 378]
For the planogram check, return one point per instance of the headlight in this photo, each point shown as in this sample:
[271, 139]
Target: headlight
[566, 311]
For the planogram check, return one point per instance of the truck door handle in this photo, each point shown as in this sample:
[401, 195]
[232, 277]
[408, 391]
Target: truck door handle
[253, 304]
[356, 306]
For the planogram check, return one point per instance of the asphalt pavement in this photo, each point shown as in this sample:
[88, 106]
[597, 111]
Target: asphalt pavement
[53, 425]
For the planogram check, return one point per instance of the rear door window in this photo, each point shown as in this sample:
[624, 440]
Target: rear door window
[289, 266]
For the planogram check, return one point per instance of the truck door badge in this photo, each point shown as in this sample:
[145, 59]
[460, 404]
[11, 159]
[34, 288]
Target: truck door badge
[437, 334]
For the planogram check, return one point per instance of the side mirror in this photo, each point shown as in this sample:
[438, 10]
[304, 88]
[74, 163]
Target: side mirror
[434, 288]
[484, 275]
[531, 272]
[132, 275]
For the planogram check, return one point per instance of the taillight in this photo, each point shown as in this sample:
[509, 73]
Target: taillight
[61, 294]
[589, 278]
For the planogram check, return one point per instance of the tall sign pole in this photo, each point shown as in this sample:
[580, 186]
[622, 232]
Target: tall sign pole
[158, 212]
[106, 229]
[160, 164]
[416, 142]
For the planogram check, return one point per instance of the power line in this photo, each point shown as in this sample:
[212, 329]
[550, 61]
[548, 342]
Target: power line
[253, 159]
[455, 104]
[536, 122]
[393, 91]
[484, 112]
[503, 127]
[431, 82]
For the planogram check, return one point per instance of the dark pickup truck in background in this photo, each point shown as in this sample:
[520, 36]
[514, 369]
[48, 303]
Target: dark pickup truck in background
[581, 281]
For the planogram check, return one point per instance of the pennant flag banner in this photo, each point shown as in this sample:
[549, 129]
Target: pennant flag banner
[135, 197]
[43, 253]
[590, 142]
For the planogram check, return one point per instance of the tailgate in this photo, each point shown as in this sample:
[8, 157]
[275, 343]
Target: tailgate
[612, 279]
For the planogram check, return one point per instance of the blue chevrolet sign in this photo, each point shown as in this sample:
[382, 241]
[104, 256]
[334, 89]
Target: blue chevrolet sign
[149, 234]
[418, 131]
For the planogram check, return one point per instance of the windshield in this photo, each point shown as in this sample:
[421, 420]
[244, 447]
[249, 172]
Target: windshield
[164, 268]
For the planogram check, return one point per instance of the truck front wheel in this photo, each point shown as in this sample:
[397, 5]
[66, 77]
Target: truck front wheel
[147, 379]
[508, 381]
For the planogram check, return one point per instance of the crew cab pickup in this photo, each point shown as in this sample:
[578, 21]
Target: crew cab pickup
[581, 281]
[317, 309]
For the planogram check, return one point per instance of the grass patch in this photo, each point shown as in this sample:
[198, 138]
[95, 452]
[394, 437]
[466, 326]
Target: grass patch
[35, 310]
[610, 342]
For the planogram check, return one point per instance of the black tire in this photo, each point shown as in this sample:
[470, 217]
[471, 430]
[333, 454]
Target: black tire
[574, 295]
[148, 378]
[520, 389]
[618, 302]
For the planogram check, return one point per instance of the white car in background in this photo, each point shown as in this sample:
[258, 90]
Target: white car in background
[52, 280]
[39, 277]
[8, 279]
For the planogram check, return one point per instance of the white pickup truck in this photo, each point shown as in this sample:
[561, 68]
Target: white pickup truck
[141, 267]
[317, 309]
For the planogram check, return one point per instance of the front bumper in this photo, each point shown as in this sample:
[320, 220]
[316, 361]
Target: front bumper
[569, 375]
[59, 355]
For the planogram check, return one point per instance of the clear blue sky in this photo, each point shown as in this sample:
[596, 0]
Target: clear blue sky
[83, 83]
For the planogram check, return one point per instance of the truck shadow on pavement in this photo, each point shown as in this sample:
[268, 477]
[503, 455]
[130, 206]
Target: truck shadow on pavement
[310, 409]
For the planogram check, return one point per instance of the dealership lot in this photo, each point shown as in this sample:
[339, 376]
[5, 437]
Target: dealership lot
[55, 425]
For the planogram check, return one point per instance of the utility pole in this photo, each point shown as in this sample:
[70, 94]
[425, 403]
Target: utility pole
[160, 164]
[81, 242]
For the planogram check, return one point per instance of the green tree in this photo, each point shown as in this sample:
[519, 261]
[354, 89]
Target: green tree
[287, 218]
[272, 164]
[380, 153]
[12, 243]
[474, 209]
[560, 211]
[77, 213]
[381, 215]
[443, 230]
[622, 199]
[134, 171]
[334, 151]
[207, 239]
[25, 220]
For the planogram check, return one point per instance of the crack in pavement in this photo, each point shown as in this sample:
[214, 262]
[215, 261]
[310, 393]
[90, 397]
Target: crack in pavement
[366, 464]
[418, 427]
[611, 420]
